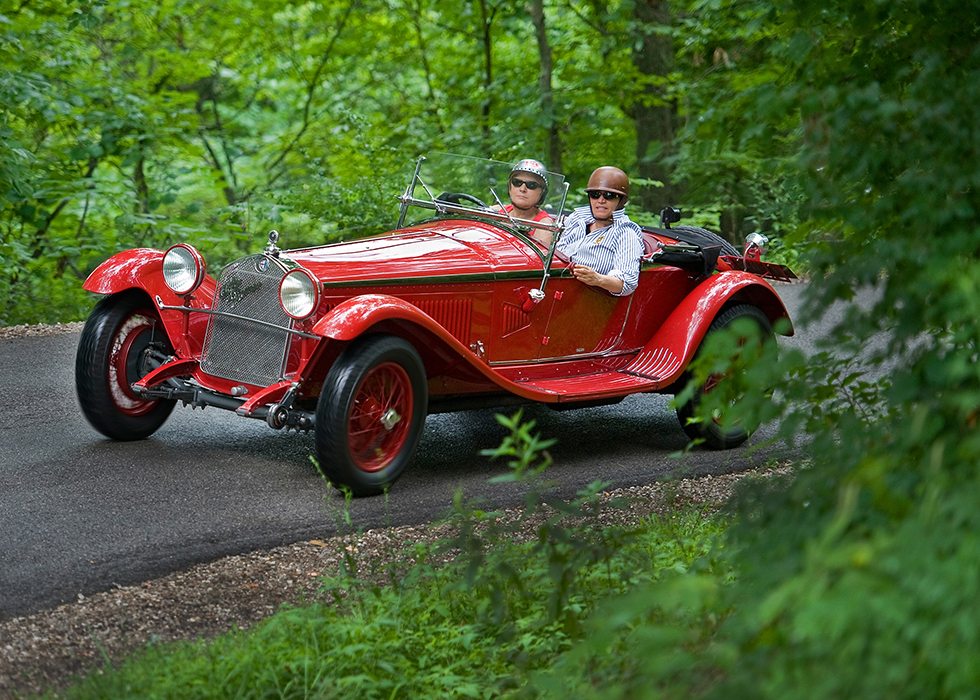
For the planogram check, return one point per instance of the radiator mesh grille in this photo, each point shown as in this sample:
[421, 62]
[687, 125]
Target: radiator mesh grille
[236, 348]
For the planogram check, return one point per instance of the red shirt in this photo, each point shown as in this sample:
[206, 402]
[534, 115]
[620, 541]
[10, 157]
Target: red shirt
[541, 214]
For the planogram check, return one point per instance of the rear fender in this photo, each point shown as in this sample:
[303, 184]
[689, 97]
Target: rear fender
[673, 345]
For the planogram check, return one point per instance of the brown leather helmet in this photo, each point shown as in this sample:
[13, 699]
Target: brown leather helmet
[610, 179]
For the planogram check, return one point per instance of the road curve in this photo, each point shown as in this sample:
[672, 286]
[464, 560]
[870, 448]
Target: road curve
[80, 513]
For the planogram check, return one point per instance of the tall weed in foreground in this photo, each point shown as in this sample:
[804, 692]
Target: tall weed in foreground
[474, 616]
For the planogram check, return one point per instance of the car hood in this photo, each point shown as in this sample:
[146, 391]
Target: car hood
[439, 249]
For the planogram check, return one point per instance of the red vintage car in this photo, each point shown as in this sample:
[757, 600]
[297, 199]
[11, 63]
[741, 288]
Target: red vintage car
[358, 341]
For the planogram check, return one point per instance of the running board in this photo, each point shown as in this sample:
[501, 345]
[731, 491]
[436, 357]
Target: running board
[646, 373]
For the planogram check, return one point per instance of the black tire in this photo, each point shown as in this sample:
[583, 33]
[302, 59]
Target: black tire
[714, 434]
[112, 355]
[377, 379]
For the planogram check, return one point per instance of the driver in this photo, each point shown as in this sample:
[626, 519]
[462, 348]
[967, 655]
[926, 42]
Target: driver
[604, 246]
[528, 188]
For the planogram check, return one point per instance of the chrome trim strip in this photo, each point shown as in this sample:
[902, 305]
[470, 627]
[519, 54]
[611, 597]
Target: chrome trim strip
[209, 312]
[440, 279]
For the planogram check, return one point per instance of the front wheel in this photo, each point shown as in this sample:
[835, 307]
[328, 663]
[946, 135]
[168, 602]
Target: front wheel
[123, 339]
[719, 432]
[370, 414]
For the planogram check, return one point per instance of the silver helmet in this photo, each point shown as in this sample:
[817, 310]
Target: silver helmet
[535, 167]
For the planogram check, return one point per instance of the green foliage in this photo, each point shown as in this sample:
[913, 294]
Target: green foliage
[880, 566]
[525, 449]
[484, 613]
[857, 577]
[739, 365]
[738, 144]
[130, 123]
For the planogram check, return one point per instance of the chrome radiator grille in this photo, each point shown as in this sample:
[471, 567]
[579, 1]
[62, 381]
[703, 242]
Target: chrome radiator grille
[236, 348]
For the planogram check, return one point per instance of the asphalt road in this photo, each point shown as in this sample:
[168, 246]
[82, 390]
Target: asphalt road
[79, 513]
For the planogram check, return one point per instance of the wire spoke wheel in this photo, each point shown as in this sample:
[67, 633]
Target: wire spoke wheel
[121, 337]
[370, 414]
[128, 362]
[380, 417]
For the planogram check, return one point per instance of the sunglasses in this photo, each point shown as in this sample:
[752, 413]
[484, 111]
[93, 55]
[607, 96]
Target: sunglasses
[608, 196]
[530, 184]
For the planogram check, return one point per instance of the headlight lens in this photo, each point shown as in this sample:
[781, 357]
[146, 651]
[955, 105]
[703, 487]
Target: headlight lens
[299, 294]
[183, 269]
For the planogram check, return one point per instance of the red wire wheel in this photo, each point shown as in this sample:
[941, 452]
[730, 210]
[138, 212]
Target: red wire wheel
[370, 414]
[122, 341]
[130, 341]
[380, 417]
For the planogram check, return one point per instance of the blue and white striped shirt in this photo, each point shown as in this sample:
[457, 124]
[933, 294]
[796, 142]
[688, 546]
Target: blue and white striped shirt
[614, 250]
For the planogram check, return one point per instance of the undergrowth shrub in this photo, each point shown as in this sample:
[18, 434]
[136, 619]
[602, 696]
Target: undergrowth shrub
[475, 615]
[858, 577]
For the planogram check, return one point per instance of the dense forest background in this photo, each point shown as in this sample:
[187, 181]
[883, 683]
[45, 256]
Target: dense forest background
[847, 128]
[147, 122]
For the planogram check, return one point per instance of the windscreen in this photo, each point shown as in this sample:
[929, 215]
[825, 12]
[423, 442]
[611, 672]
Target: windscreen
[477, 183]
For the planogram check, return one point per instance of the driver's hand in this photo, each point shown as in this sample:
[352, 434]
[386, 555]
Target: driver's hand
[586, 274]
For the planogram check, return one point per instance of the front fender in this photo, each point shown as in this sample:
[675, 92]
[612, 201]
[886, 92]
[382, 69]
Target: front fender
[142, 268]
[356, 316]
[673, 346]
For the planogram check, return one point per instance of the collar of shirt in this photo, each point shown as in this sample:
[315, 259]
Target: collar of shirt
[586, 213]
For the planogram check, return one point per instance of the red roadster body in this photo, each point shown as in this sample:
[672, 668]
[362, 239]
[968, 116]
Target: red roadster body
[359, 341]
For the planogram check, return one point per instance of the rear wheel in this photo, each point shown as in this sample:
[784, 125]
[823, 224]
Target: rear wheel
[123, 339]
[370, 414]
[720, 431]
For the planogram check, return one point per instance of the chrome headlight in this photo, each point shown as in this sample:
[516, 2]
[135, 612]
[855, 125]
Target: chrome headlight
[183, 269]
[299, 294]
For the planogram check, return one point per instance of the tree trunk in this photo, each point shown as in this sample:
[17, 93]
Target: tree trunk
[655, 118]
[553, 140]
[487, 16]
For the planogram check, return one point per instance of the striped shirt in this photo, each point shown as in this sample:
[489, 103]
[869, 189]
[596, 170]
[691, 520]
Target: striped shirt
[614, 250]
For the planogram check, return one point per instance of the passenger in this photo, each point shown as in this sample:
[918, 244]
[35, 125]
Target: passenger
[528, 187]
[600, 240]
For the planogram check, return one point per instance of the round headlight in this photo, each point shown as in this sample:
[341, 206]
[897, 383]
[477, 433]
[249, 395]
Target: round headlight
[299, 294]
[183, 269]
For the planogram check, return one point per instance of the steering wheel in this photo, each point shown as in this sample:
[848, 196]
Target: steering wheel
[455, 197]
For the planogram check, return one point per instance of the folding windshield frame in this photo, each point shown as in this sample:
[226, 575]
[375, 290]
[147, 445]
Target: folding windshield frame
[519, 227]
